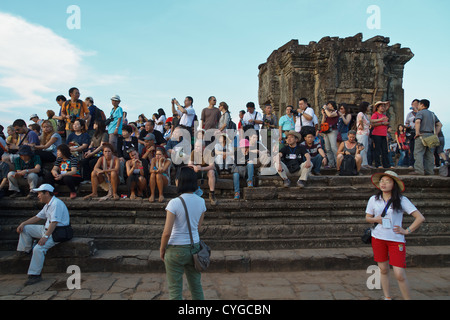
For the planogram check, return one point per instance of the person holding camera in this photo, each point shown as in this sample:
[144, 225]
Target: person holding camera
[74, 109]
[252, 119]
[186, 113]
[304, 118]
[330, 118]
[286, 124]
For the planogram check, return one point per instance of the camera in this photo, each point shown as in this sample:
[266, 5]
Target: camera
[73, 118]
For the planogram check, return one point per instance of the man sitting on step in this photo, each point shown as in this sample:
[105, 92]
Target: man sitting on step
[56, 215]
[293, 160]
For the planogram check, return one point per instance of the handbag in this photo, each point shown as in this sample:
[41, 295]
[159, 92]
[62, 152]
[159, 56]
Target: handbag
[202, 257]
[62, 234]
[367, 235]
[433, 140]
[325, 128]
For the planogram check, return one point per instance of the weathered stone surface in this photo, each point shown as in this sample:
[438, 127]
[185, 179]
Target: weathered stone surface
[346, 70]
[77, 247]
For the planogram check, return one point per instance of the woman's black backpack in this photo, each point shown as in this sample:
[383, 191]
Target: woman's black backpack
[348, 166]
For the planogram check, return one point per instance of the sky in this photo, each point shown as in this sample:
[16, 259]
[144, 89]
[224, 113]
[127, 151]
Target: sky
[149, 52]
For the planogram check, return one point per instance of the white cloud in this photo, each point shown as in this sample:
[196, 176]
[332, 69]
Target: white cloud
[35, 63]
[33, 60]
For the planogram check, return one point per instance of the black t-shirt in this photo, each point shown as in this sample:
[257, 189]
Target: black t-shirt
[289, 154]
[158, 136]
[123, 146]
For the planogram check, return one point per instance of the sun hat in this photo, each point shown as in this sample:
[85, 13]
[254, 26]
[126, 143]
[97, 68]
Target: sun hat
[295, 134]
[244, 143]
[44, 187]
[391, 174]
[374, 107]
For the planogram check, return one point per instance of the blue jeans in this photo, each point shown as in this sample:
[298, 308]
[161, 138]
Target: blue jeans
[317, 163]
[402, 158]
[250, 172]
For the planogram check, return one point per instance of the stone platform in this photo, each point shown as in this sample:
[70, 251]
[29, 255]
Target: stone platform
[271, 228]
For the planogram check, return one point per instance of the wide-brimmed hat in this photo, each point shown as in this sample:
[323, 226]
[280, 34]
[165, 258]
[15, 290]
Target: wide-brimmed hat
[391, 174]
[295, 134]
[374, 106]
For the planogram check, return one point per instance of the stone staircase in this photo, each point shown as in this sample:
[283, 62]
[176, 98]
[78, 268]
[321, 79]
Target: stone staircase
[270, 229]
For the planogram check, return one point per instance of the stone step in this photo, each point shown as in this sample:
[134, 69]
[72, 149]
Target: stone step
[148, 261]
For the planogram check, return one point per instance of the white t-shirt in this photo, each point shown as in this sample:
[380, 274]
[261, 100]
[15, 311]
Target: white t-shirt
[253, 116]
[180, 232]
[308, 123]
[187, 119]
[376, 207]
[55, 210]
[160, 127]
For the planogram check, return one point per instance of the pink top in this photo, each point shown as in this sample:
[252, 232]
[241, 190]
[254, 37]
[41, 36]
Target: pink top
[382, 129]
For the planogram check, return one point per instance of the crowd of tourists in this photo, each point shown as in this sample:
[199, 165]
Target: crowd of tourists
[81, 144]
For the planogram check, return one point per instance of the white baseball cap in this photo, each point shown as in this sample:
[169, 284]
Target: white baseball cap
[116, 98]
[44, 187]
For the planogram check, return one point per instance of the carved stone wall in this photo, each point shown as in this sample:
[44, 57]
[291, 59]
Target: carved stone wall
[346, 70]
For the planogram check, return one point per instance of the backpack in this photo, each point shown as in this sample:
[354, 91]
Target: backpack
[231, 125]
[99, 114]
[348, 166]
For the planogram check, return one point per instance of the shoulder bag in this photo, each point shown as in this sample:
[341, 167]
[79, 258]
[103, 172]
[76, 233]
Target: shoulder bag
[202, 257]
[62, 234]
[433, 140]
[367, 236]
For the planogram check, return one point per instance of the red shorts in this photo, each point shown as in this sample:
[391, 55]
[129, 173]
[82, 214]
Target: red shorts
[394, 252]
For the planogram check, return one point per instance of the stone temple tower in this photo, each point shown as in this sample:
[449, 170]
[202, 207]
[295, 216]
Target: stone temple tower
[345, 70]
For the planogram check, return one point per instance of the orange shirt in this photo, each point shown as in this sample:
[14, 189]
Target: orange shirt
[78, 108]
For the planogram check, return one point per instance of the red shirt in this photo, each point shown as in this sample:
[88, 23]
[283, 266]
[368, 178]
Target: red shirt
[382, 129]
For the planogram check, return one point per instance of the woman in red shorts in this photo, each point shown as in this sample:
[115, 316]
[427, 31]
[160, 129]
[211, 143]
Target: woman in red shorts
[388, 237]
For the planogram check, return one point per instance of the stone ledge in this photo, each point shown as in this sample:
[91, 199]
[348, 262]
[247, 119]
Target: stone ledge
[148, 261]
[77, 247]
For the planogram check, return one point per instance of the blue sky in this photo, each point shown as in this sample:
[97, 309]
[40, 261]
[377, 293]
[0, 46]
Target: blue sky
[151, 51]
